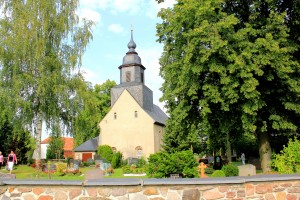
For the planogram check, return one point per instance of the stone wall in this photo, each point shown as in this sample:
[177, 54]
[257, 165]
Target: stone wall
[258, 187]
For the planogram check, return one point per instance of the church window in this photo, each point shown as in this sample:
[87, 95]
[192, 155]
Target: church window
[115, 115]
[135, 114]
[114, 149]
[142, 77]
[139, 151]
[128, 76]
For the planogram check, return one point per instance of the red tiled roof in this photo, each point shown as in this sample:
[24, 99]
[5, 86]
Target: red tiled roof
[68, 143]
[46, 141]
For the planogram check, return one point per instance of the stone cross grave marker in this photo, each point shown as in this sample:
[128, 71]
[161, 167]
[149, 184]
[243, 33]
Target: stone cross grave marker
[201, 170]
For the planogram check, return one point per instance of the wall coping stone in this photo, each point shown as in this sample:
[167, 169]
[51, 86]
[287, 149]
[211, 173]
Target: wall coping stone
[40, 182]
[153, 181]
[114, 181]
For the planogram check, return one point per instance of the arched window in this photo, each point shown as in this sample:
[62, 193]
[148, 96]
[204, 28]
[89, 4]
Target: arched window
[115, 115]
[139, 151]
[114, 149]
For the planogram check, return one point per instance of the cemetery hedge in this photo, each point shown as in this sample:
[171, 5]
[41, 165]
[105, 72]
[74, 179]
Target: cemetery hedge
[162, 164]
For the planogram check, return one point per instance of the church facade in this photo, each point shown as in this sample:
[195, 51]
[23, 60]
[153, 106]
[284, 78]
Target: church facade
[134, 125]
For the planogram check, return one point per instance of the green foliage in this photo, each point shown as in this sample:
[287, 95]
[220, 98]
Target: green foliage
[17, 140]
[55, 148]
[126, 169]
[229, 67]
[230, 170]
[141, 162]
[162, 164]
[116, 160]
[106, 152]
[41, 46]
[288, 161]
[218, 173]
[96, 104]
[209, 170]
[61, 168]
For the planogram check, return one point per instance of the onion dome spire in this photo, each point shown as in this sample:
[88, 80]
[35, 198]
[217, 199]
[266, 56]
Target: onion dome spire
[131, 45]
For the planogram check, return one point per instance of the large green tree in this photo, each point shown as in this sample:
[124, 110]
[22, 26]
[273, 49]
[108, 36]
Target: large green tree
[229, 68]
[41, 45]
[95, 105]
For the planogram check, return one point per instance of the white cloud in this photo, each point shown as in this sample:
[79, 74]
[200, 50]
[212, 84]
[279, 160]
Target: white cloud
[154, 7]
[116, 28]
[114, 6]
[91, 75]
[130, 6]
[89, 15]
[166, 4]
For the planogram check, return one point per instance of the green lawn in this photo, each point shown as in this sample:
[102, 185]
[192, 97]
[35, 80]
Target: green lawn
[27, 172]
[119, 174]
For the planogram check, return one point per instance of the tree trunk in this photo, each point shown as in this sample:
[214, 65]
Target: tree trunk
[265, 151]
[38, 136]
[228, 148]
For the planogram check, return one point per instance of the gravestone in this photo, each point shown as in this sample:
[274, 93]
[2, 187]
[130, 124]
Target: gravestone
[247, 170]
[210, 159]
[76, 164]
[255, 162]
[52, 168]
[204, 160]
[201, 170]
[217, 163]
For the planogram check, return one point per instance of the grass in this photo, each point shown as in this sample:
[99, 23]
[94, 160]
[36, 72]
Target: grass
[118, 173]
[29, 173]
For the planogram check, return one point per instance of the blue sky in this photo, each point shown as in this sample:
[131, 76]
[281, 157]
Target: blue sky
[111, 34]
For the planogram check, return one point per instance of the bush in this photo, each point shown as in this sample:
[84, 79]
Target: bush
[61, 168]
[218, 173]
[141, 162]
[288, 161]
[230, 170]
[162, 164]
[116, 160]
[126, 169]
[209, 170]
[106, 152]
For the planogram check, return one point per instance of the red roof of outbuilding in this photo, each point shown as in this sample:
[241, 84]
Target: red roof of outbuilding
[68, 143]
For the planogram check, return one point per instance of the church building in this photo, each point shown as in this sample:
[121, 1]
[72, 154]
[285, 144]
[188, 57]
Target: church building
[134, 125]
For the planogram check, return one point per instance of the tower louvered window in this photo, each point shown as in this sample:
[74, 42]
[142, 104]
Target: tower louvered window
[128, 77]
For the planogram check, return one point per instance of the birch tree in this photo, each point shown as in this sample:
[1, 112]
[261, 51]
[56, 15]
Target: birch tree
[41, 45]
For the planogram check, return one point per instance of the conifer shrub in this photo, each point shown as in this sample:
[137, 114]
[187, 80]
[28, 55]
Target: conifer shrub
[116, 161]
[218, 173]
[230, 170]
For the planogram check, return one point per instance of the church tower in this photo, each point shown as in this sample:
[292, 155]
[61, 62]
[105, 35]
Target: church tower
[132, 79]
